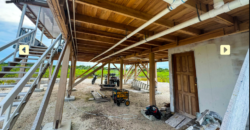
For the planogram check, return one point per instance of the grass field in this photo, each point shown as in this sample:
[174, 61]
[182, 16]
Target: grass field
[162, 74]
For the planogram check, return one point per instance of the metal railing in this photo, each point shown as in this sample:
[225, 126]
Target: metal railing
[9, 98]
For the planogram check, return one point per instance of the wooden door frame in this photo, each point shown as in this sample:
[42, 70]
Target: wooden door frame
[174, 68]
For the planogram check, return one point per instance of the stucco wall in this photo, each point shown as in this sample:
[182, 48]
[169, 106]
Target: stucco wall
[216, 74]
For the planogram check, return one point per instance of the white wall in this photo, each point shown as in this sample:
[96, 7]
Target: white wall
[216, 74]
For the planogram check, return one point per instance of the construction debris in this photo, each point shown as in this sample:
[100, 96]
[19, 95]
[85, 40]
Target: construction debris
[99, 97]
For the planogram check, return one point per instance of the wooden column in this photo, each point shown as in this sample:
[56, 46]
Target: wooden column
[135, 77]
[108, 73]
[62, 89]
[121, 73]
[156, 79]
[102, 75]
[124, 73]
[152, 79]
[147, 73]
[72, 75]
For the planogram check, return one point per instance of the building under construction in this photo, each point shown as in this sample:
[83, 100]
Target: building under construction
[205, 42]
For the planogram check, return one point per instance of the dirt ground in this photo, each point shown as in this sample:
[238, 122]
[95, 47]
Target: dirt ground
[81, 111]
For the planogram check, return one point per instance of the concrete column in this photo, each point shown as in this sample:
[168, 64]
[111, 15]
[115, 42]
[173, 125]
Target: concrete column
[121, 73]
[152, 79]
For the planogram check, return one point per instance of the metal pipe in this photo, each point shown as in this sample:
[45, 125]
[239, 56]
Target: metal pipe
[174, 5]
[21, 20]
[76, 51]
[212, 13]
[37, 21]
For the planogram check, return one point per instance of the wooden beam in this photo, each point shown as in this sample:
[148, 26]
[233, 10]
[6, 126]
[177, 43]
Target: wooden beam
[204, 37]
[87, 71]
[104, 23]
[50, 69]
[56, 9]
[152, 79]
[72, 74]
[102, 75]
[121, 73]
[129, 12]
[62, 89]
[117, 36]
[143, 72]
[133, 71]
[82, 79]
[116, 67]
[135, 76]
[125, 69]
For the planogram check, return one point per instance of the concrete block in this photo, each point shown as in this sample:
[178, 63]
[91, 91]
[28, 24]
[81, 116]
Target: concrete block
[66, 125]
[39, 90]
[71, 98]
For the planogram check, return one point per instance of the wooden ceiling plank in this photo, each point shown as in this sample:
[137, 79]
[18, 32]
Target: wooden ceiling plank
[129, 12]
[99, 22]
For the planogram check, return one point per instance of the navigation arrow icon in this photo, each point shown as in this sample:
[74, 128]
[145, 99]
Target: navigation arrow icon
[24, 49]
[225, 49]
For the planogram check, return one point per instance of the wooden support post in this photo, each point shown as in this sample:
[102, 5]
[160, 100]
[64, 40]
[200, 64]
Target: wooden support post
[156, 78]
[152, 79]
[102, 75]
[87, 71]
[62, 89]
[121, 73]
[72, 75]
[135, 72]
[143, 72]
[124, 73]
[108, 73]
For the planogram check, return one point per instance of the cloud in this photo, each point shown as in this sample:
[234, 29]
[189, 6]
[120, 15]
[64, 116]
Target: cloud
[10, 13]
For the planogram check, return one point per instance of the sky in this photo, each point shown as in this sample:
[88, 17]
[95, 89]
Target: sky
[9, 20]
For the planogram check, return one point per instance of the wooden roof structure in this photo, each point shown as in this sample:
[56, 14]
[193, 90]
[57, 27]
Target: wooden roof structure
[102, 23]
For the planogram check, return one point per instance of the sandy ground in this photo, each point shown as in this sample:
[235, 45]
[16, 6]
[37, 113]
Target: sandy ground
[77, 110]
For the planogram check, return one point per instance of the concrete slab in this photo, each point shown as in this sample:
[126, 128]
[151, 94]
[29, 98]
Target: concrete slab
[71, 98]
[39, 90]
[66, 125]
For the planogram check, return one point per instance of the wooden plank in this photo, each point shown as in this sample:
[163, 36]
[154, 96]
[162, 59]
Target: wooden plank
[72, 75]
[175, 120]
[237, 112]
[152, 100]
[50, 70]
[143, 72]
[121, 73]
[129, 12]
[135, 77]
[99, 22]
[87, 71]
[62, 89]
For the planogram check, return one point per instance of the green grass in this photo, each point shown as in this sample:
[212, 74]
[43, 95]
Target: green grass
[162, 74]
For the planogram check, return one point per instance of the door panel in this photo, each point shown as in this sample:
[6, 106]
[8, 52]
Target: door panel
[185, 84]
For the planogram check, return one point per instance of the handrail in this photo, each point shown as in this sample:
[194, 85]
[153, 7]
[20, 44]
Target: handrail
[19, 86]
[40, 114]
[16, 40]
[7, 57]
[23, 100]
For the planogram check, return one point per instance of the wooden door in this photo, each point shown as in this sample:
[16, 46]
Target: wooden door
[185, 86]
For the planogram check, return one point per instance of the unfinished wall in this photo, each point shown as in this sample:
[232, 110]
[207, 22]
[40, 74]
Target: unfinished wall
[216, 74]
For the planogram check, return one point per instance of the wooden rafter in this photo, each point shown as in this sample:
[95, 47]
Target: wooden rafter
[104, 23]
[129, 12]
